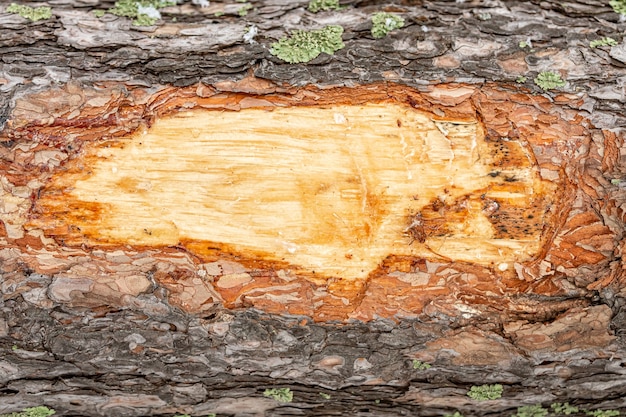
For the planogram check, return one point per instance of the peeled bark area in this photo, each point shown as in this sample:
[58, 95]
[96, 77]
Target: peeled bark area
[333, 191]
[334, 204]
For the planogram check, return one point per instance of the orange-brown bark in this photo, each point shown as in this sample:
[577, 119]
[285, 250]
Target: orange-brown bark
[55, 133]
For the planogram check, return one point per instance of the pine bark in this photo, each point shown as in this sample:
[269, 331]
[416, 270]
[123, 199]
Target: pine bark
[139, 330]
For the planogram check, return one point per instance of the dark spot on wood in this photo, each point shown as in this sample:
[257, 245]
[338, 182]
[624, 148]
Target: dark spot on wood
[437, 204]
[415, 230]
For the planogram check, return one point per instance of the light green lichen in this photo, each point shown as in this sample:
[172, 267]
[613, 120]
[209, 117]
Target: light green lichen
[30, 13]
[325, 396]
[282, 395]
[383, 23]
[98, 12]
[130, 8]
[485, 392]
[243, 10]
[603, 42]
[317, 5]
[564, 408]
[144, 20]
[548, 80]
[422, 366]
[521, 79]
[133, 9]
[304, 46]
[531, 411]
[523, 44]
[40, 411]
[603, 413]
[619, 6]
[456, 414]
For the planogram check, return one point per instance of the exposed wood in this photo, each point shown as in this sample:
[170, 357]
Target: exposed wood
[332, 191]
[477, 194]
[477, 225]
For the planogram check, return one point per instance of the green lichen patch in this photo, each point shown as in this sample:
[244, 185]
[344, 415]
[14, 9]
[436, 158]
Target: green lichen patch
[485, 392]
[243, 10]
[143, 12]
[531, 411]
[603, 42]
[282, 395]
[325, 5]
[144, 20]
[619, 6]
[564, 408]
[419, 365]
[40, 411]
[383, 23]
[603, 413]
[548, 80]
[31, 13]
[304, 46]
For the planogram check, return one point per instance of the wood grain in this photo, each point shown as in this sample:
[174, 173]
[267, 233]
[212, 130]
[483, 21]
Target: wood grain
[331, 191]
[335, 203]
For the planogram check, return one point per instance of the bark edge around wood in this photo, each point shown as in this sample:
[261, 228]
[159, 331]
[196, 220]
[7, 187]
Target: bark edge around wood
[581, 234]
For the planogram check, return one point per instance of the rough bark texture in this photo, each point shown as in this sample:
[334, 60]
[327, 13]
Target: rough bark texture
[144, 331]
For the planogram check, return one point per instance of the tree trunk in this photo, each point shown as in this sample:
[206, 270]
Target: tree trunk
[189, 221]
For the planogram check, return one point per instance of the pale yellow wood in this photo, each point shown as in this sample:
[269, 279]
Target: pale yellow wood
[332, 190]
